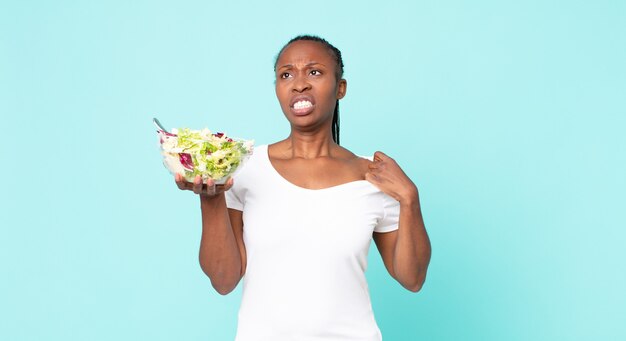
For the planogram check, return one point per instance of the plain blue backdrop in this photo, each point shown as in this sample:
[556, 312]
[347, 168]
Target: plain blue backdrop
[508, 115]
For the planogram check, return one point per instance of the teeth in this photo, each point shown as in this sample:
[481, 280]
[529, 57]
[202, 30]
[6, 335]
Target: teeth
[302, 104]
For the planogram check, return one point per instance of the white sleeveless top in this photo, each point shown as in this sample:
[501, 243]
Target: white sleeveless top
[306, 255]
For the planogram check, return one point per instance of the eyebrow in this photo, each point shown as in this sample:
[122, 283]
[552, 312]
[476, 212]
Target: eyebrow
[290, 66]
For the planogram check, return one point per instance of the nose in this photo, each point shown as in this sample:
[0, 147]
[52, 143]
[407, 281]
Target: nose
[301, 84]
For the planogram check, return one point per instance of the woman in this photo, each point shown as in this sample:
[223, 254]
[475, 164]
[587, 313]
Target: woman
[299, 218]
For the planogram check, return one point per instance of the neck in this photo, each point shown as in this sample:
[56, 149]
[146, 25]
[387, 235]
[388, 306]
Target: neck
[309, 145]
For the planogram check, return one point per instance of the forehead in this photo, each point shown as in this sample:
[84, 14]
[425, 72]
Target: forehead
[304, 51]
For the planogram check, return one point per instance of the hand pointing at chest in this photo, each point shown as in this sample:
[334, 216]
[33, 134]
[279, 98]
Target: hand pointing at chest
[387, 175]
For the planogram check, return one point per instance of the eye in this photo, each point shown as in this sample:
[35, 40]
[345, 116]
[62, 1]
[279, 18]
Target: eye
[285, 75]
[315, 72]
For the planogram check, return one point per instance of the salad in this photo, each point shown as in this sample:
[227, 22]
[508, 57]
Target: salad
[201, 152]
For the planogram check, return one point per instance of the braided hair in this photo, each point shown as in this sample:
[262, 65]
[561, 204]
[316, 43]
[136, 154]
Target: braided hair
[338, 73]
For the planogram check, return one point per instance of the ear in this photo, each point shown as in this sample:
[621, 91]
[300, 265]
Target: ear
[342, 87]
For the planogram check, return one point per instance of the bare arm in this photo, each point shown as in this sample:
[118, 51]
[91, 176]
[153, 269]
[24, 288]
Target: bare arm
[405, 252]
[222, 252]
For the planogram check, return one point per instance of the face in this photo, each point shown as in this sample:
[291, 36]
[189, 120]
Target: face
[306, 85]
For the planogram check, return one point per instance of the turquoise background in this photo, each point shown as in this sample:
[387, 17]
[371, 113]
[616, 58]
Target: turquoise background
[508, 115]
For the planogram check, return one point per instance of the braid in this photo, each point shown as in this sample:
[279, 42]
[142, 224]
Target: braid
[335, 127]
[338, 73]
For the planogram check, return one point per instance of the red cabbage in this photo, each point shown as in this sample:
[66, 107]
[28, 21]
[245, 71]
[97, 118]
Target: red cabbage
[186, 161]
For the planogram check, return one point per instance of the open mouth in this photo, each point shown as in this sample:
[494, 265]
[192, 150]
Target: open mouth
[302, 105]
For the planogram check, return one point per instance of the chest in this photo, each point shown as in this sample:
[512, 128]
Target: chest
[319, 173]
[339, 220]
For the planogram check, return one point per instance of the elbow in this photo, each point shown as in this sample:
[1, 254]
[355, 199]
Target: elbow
[224, 287]
[224, 284]
[416, 280]
[414, 285]
[223, 290]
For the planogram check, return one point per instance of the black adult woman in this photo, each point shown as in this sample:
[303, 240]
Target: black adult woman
[299, 218]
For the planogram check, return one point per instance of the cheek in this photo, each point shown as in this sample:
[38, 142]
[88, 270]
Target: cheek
[331, 95]
[281, 96]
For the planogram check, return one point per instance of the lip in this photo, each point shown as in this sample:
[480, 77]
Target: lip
[295, 99]
[303, 111]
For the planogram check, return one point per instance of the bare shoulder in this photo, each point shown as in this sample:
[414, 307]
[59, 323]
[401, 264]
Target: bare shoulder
[357, 163]
[277, 150]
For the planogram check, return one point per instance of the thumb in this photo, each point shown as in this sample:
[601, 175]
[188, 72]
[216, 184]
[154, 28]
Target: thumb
[380, 156]
[374, 180]
[371, 177]
[229, 183]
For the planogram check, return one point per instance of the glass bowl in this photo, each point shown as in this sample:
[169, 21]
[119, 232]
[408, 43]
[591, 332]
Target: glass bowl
[200, 152]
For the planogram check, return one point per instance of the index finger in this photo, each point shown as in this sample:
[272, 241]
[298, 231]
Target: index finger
[380, 156]
[180, 181]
